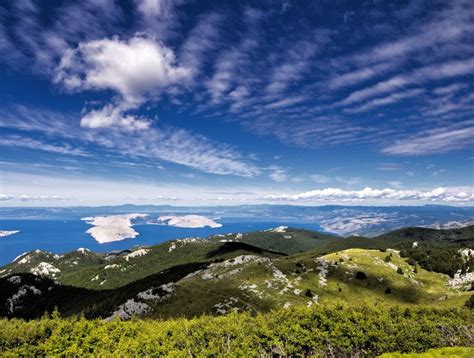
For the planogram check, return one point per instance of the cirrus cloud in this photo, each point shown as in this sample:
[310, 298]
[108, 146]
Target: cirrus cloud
[437, 140]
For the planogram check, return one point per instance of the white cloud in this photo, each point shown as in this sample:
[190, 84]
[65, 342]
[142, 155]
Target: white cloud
[337, 194]
[450, 89]
[23, 142]
[201, 39]
[39, 120]
[359, 75]
[160, 8]
[278, 174]
[169, 144]
[177, 146]
[286, 102]
[113, 116]
[137, 69]
[384, 101]
[318, 178]
[5, 197]
[437, 140]
[420, 75]
[296, 62]
[133, 68]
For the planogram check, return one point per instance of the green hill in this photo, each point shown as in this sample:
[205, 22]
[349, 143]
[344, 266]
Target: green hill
[244, 272]
[435, 250]
[244, 283]
[83, 268]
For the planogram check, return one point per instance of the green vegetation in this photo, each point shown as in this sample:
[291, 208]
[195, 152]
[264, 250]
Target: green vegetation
[278, 292]
[436, 250]
[83, 268]
[453, 352]
[439, 259]
[319, 331]
[250, 283]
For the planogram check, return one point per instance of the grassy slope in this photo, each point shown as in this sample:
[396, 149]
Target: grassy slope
[87, 269]
[253, 284]
[259, 284]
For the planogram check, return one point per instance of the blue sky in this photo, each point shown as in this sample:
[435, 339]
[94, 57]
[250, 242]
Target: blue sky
[205, 102]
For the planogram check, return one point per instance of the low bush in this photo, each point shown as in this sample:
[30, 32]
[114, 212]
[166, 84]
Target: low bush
[319, 330]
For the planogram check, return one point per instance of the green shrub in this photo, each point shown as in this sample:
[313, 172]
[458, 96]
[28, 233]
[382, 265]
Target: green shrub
[319, 331]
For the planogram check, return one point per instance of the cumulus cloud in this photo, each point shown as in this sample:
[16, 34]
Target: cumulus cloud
[136, 69]
[337, 194]
[113, 116]
[132, 68]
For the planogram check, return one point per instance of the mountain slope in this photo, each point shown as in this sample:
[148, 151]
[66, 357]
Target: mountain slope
[434, 250]
[244, 283]
[83, 268]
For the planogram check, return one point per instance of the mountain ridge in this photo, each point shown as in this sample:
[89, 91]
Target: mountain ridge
[190, 277]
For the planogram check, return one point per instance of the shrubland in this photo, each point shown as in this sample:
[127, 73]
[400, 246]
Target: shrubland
[339, 330]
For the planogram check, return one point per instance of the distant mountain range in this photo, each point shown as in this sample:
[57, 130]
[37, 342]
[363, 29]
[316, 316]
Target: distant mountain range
[341, 220]
[257, 271]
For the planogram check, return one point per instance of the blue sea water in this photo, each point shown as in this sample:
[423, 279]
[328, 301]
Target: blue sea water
[60, 236]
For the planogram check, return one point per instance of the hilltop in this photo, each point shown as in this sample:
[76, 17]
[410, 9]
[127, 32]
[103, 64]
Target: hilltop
[224, 273]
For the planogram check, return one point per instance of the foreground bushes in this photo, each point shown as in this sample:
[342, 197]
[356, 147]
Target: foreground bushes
[321, 331]
[458, 352]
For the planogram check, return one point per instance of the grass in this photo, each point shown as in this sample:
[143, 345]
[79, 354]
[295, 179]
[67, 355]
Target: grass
[258, 285]
[197, 295]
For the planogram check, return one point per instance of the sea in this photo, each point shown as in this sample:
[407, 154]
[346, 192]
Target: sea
[61, 236]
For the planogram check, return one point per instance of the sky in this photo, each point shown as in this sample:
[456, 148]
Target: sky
[219, 102]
